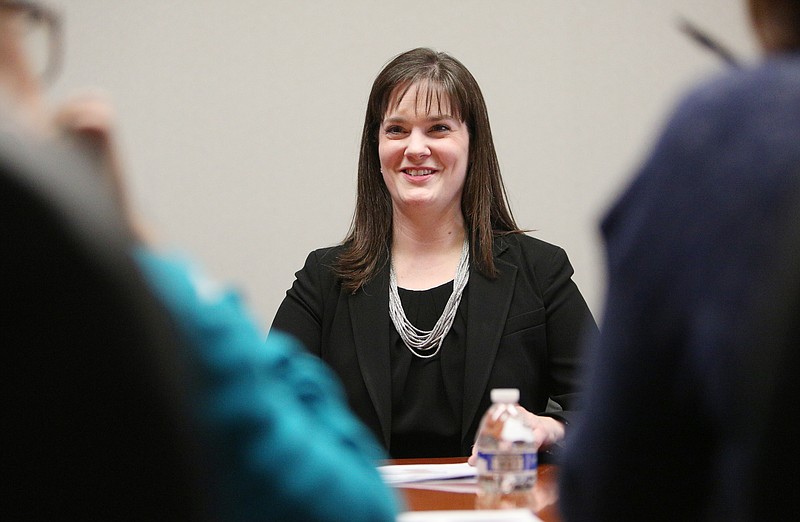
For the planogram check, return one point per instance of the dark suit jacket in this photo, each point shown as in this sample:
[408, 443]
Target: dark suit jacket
[523, 331]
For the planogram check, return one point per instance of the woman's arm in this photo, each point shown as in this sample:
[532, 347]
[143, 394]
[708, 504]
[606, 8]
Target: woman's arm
[569, 325]
[300, 313]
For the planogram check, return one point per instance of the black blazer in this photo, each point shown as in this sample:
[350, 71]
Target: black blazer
[523, 331]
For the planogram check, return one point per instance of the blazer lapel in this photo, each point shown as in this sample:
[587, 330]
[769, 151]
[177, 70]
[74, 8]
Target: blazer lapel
[489, 301]
[369, 311]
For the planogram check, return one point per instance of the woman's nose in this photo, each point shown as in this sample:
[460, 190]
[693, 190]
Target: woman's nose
[417, 146]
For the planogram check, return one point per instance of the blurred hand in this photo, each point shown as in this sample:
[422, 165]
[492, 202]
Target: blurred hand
[546, 431]
[88, 121]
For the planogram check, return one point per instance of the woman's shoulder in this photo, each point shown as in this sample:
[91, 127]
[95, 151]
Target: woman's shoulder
[531, 254]
[528, 244]
[320, 264]
[324, 256]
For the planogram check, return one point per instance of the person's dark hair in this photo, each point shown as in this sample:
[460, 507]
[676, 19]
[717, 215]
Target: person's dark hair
[484, 204]
[777, 23]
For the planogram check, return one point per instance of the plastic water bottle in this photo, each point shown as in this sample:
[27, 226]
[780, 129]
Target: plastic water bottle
[507, 455]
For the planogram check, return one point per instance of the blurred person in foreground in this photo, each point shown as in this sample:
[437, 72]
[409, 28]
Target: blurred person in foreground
[689, 414]
[283, 443]
[436, 296]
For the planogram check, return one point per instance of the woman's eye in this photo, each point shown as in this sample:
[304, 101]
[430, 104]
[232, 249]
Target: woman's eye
[393, 129]
[440, 127]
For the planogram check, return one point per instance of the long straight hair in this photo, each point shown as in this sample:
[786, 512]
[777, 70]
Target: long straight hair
[484, 203]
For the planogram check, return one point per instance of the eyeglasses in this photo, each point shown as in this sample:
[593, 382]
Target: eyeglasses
[40, 28]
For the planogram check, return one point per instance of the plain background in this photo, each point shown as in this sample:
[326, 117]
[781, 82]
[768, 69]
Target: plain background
[240, 120]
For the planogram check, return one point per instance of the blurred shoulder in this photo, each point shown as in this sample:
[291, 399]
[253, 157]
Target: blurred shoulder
[769, 87]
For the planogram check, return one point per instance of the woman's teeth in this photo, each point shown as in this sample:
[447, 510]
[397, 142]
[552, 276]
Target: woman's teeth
[414, 172]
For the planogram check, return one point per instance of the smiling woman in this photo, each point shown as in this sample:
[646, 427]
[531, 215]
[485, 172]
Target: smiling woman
[423, 153]
[436, 296]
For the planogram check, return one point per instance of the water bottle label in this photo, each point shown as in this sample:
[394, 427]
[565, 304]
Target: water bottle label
[501, 462]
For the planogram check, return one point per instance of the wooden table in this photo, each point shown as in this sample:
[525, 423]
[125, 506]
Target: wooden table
[545, 492]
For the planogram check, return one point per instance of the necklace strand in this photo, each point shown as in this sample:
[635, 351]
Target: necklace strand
[425, 340]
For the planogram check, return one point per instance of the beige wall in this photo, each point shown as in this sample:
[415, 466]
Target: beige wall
[240, 119]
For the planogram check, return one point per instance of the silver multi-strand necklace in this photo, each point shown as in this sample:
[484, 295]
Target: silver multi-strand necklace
[417, 340]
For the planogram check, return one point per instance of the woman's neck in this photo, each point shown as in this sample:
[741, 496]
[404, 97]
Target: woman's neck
[427, 227]
[426, 254]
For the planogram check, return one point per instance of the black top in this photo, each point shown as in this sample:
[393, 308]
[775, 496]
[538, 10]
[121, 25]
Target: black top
[524, 331]
[426, 412]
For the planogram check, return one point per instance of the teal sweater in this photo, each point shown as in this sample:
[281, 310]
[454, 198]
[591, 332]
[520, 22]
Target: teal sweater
[286, 446]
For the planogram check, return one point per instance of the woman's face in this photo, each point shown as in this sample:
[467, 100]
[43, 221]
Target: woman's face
[423, 154]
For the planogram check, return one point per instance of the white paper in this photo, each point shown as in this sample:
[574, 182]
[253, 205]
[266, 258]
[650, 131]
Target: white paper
[464, 485]
[478, 515]
[406, 473]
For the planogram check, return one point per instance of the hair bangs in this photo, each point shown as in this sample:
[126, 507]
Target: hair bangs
[435, 95]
